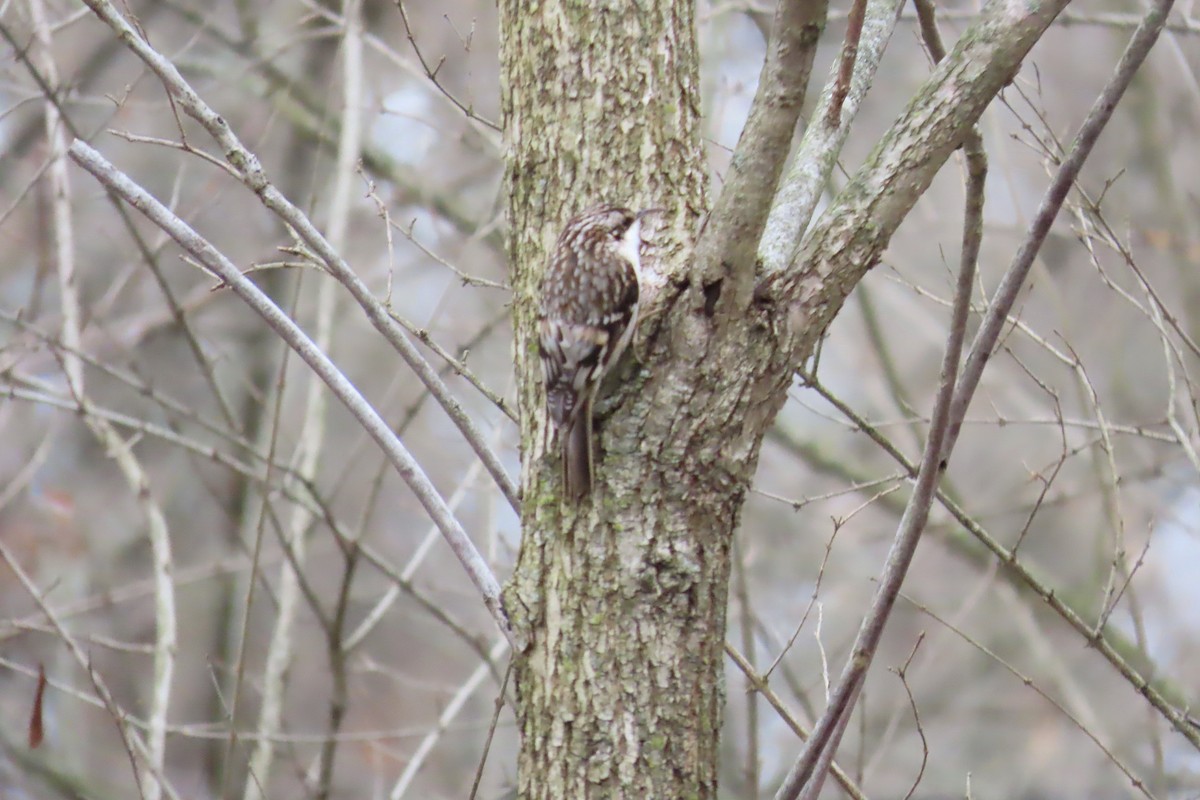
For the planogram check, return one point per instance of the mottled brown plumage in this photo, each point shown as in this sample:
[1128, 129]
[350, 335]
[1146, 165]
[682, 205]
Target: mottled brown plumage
[589, 309]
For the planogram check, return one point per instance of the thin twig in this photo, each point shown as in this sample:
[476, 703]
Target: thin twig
[747, 618]
[150, 770]
[455, 705]
[762, 686]
[487, 742]
[1010, 286]
[311, 447]
[846, 61]
[431, 72]
[902, 674]
[808, 773]
[137, 750]
[1028, 681]
[1110, 645]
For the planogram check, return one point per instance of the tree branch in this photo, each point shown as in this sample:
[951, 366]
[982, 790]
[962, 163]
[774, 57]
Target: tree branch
[1006, 293]
[149, 772]
[311, 448]
[253, 176]
[730, 238]
[119, 183]
[818, 151]
[845, 70]
[851, 236]
[807, 774]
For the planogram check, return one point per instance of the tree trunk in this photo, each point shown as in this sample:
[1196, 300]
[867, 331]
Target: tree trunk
[623, 601]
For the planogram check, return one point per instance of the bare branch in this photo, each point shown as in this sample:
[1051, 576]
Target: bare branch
[808, 774]
[481, 575]
[851, 235]
[312, 438]
[761, 685]
[730, 238]
[447, 716]
[845, 70]
[151, 767]
[431, 73]
[818, 151]
[1006, 293]
[138, 751]
[253, 176]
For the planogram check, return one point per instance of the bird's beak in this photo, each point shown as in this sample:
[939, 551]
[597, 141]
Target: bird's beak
[648, 211]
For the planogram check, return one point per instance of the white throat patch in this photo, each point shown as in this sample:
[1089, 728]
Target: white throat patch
[631, 244]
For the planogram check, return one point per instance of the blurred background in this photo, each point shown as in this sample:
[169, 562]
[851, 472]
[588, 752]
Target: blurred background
[1080, 452]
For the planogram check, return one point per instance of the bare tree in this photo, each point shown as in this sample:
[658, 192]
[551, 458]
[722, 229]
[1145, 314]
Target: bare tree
[624, 599]
[290, 584]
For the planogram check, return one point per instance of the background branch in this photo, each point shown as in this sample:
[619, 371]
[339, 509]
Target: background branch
[249, 167]
[408, 468]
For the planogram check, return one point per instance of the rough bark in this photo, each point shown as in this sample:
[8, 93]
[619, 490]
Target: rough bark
[623, 598]
[624, 602]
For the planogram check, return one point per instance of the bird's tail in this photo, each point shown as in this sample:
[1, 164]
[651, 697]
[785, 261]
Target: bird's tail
[577, 455]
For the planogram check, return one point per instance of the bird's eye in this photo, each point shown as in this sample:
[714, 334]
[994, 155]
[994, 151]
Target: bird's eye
[621, 229]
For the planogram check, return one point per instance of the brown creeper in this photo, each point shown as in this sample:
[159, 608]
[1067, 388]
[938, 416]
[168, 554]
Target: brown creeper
[589, 309]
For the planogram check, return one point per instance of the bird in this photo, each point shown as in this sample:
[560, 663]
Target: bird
[588, 311]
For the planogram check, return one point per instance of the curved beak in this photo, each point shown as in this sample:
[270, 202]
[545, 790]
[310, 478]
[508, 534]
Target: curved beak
[645, 212]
